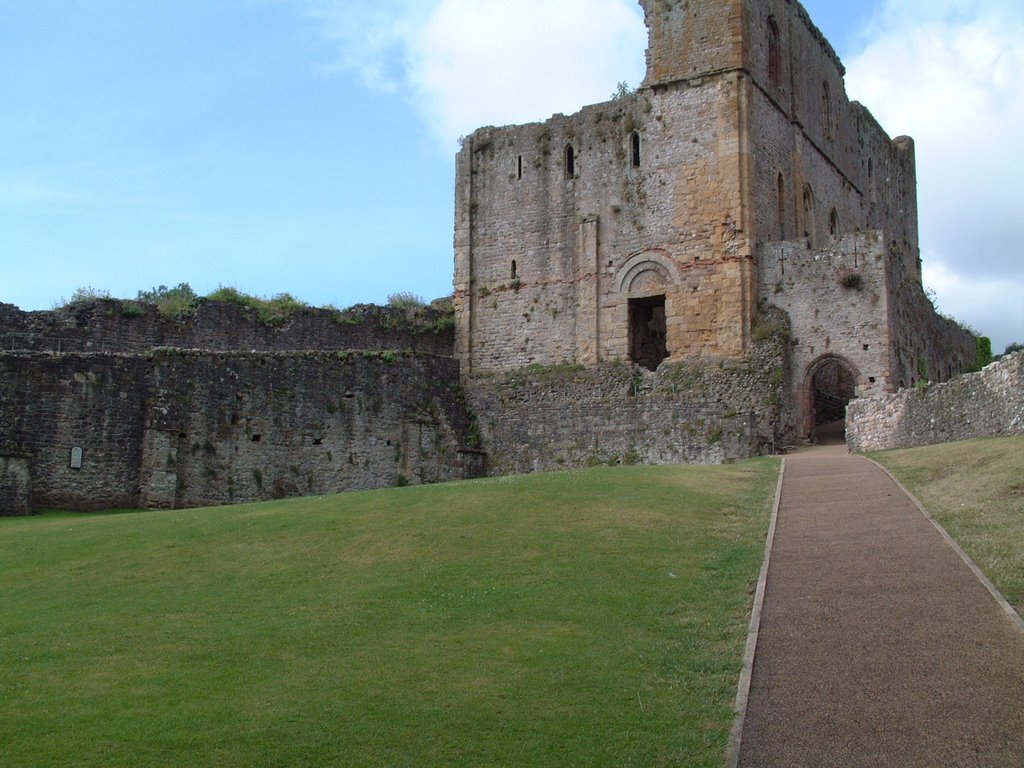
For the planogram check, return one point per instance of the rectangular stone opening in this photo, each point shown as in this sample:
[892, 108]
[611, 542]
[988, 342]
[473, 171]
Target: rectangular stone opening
[647, 331]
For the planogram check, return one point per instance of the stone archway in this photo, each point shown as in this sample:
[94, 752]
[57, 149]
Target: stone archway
[830, 384]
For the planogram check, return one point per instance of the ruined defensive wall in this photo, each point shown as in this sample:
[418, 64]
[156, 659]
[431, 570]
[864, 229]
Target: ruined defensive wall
[985, 404]
[544, 418]
[852, 305]
[166, 427]
[112, 325]
[169, 427]
[616, 278]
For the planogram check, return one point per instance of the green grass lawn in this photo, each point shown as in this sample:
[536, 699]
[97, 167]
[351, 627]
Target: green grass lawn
[591, 618]
[975, 489]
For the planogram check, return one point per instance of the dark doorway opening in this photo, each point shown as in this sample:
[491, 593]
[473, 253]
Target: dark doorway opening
[833, 386]
[647, 331]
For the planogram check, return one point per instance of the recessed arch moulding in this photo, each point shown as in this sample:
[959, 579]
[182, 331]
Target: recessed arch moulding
[693, 304]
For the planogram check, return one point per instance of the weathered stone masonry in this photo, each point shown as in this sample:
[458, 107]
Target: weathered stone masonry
[547, 418]
[110, 325]
[985, 404]
[702, 271]
[652, 227]
[178, 428]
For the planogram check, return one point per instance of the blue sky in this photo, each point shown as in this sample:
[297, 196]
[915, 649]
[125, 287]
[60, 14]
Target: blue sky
[307, 146]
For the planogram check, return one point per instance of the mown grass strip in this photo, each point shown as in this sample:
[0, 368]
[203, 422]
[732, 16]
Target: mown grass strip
[592, 618]
[975, 489]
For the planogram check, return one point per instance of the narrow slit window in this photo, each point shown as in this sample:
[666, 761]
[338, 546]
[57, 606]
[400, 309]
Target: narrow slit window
[635, 148]
[515, 270]
[826, 109]
[570, 162]
[774, 54]
[781, 202]
[519, 171]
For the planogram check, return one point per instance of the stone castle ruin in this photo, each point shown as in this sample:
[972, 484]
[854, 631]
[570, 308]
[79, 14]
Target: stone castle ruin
[653, 227]
[703, 270]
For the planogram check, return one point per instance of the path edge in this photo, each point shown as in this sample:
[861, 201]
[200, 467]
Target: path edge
[968, 560]
[743, 688]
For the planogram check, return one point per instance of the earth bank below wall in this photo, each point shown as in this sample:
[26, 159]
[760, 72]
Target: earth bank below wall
[984, 404]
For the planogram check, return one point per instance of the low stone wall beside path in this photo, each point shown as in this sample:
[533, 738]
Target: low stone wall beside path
[984, 404]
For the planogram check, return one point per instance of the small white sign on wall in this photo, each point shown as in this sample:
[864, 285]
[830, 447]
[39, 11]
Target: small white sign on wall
[76, 458]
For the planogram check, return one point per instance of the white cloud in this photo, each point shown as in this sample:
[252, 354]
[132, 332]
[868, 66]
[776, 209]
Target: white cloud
[944, 72]
[486, 62]
[994, 306]
[467, 63]
[372, 35]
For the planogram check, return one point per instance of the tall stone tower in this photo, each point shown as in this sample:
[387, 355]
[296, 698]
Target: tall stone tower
[650, 228]
[620, 232]
[692, 39]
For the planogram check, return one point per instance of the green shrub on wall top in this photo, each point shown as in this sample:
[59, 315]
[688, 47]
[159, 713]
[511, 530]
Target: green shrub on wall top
[984, 354]
[275, 311]
[179, 300]
[406, 300]
[133, 309]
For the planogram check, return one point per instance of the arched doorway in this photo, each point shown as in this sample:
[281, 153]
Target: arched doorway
[830, 385]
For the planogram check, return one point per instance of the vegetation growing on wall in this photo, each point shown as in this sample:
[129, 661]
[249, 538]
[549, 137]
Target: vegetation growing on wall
[984, 352]
[770, 321]
[406, 300]
[273, 311]
[181, 300]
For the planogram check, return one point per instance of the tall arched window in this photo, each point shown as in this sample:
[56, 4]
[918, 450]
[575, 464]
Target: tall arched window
[781, 203]
[570, 162]
[809, 214]
[833, 223]
[774, 53]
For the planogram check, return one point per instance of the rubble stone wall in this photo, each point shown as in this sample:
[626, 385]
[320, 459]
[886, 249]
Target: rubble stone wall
[176, 428]
[15, 486]
[112, 325]
[543, 418]
[984, 404]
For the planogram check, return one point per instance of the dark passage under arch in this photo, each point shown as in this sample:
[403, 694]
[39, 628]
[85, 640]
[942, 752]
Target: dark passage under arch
[647, 331]
[832, 385]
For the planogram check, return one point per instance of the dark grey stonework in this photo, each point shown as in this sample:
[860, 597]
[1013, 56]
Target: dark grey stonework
[104, 407]
[702, 411]
[179, 428]
[112, 325]
[15, 486]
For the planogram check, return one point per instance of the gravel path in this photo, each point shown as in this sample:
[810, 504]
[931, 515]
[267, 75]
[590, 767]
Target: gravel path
[878, 646]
